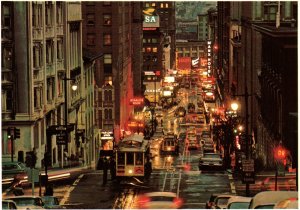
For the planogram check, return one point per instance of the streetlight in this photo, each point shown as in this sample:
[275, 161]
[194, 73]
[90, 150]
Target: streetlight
[74, 88]
[234, 106]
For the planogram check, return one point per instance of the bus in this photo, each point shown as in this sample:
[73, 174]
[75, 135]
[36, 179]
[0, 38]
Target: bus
[132, 157]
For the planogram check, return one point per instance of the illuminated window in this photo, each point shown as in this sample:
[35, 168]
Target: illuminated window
[143, 49]
[153, 4]
[107, 39]
[148, 49]
[107, 19]
[154, 40]
[161, 5]
[107, 59]
[154, 49]
[167, 5]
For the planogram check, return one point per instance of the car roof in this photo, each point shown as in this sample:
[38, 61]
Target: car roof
[168, 194]
[270, 197]
[239, 199]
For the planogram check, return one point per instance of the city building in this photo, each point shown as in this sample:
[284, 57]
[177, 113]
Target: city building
[42, 58]
[257, 63]
[114, 29]
[202, 27]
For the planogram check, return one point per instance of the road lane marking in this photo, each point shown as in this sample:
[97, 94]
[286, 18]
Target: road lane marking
[67, 194]
[232, 185]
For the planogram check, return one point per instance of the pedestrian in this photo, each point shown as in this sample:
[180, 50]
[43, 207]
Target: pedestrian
[105, 166]
[112, 169]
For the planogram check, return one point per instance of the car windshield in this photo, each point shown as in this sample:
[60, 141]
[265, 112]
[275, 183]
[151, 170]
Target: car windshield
[222, 201]
[161, 198]
[27, 201]
[238, 205]
[50, 201]
[211, 156]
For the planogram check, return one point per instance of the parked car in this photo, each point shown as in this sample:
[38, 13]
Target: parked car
[27, 202]
[159, 200]
[238, 202]
[51, 202]
[9, 204]
[211, 160]
[13, 168]
[268, 199]
[221, 201]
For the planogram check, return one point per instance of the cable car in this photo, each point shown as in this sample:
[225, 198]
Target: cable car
[132, 156]
[170, 144]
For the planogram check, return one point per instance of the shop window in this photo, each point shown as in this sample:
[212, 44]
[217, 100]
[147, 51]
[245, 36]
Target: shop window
[107, 19]
[107, 39]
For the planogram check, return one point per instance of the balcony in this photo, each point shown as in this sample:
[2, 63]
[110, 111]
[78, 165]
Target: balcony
[38, 76]
[50, 69]
[49, 31]
[37, 33]
[60, 66]
[60, 30]
[107, 104]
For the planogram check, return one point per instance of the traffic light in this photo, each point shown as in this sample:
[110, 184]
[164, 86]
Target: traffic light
[30, 160]
[280, 153]
[17, 133]
[11, 133]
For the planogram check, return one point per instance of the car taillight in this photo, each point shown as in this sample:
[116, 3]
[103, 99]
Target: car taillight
[178, 202]
[143, 201]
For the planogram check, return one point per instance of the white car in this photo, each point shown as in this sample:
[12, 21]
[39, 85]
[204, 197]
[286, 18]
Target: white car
[159, 200]
[268, 199]
[211, 160]
[27, 202]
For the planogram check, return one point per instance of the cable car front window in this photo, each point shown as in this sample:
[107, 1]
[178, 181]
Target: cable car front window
[121, 158]
[139, 158]
[130, 158]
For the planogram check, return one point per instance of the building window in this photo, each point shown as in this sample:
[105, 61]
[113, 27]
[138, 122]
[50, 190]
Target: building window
[91, 39]
[90, 19]
[37, 14]
[153, 5]
[154, 49]
[107, 39]
[167, 5]
[270, 12]
[49, 51]
[108, 80]
[148, 49]
[107, 19]
[106, 3]
[37, 97]
[59, 49]
[154, 40]
[6, 16]
[6, 57]
[162, 5]
[90, 3]
[107, 59]
[37, 56]
[147, 5]
[59, 13]
[7, 100]
[48, 11]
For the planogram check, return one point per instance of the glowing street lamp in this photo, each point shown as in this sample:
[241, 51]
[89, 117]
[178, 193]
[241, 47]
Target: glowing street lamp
[234, 106]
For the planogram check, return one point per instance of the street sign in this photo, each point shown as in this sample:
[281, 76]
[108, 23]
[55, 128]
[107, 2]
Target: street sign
[33, 175]
[248, 171]
[61, 138]
[248, 165]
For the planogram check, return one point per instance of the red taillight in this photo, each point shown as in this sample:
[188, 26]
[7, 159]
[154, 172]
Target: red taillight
[178, 202]
[143, 201]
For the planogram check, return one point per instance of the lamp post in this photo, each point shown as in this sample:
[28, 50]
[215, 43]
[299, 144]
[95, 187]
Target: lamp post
[246, 95]
[74, 88]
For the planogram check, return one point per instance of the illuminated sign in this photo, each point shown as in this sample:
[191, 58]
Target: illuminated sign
[169, 79]
[133, 124]
[195, 62]
[209, 61]
[136, 101]
[151, 19]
